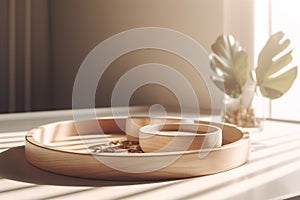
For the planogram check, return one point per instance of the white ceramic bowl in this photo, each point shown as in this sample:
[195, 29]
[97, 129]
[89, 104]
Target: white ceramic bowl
[179, 137]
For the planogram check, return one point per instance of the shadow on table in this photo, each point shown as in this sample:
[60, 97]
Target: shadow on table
[14, 166]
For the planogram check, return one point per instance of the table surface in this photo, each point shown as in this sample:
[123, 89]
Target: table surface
[272, 172]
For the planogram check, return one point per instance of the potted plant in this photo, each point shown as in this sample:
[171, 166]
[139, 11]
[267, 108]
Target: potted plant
[271, 78]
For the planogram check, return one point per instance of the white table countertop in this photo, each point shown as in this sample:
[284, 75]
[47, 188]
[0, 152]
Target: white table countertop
[272, 172]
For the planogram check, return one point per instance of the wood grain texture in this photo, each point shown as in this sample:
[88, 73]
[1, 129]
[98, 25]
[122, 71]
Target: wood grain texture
[59, 148]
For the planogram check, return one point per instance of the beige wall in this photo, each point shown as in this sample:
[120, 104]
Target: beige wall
[77, 26]
[239, 21]
[63, 32]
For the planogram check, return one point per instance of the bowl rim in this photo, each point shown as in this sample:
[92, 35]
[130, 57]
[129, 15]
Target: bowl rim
[145, 130]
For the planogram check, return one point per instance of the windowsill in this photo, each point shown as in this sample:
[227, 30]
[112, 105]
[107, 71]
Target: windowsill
[273, 169]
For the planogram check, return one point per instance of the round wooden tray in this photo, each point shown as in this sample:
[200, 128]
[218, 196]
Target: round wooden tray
[60, 148]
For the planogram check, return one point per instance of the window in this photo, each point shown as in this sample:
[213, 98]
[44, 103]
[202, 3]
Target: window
[280, 15]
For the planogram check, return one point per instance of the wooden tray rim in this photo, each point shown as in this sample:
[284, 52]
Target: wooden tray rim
[29, 138]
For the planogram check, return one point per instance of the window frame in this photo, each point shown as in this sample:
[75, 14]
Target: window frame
[263, 9]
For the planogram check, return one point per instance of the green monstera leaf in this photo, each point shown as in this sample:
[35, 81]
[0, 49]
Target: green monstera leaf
[229, 61]
[272, 79]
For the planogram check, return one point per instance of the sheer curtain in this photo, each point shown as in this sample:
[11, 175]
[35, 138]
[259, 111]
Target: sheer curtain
[25, 67]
